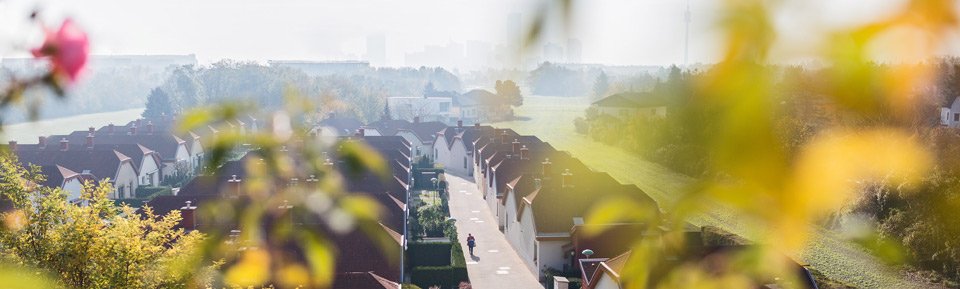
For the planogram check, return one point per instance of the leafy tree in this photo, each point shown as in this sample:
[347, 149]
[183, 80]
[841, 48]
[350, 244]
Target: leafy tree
[158, 104]
[509, 92]
[601, 85]
[93, 243]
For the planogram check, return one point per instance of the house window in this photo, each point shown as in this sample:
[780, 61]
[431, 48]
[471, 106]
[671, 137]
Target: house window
[444, 107]
[956, 117]
[464, 162]
[535, 253]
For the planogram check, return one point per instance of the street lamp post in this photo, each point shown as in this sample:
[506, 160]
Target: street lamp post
[436, 190]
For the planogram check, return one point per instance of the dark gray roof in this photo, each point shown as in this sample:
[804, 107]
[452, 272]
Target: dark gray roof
[100, 163]
[632, 100]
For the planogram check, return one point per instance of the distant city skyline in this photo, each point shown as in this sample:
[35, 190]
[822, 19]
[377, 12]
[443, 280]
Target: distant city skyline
[614, 32]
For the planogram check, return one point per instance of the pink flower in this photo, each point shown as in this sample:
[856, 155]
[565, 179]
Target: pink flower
[67, 48]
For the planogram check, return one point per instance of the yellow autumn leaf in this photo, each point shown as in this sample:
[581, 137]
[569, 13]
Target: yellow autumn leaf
[253, 269]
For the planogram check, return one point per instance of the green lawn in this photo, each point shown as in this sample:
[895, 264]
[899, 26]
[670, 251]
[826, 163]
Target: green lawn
[551, 119]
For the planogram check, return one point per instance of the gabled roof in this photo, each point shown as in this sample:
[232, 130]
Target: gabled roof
[393, 234]
[611, 267]
[166, 144]
[56, 175]
[555, 205]
[467, 134]
[389, 127]
[631, 100]
[425, 131]
[477, 97]
[100, 163]
[343, 126]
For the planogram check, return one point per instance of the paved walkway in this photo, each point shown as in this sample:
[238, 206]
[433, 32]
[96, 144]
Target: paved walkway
[495, 264]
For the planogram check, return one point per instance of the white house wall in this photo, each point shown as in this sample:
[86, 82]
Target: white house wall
[950, 116]
[127, 178]
[196, 155]
[441, 154]
[525, 240]
[417, 146]
[73, 187]
[551, 254]
[606, 282]
[149, 171]
[182, 160]
[454, 159]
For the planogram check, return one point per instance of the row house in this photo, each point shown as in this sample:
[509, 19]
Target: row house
[334, 126]
[420, 135]
[66, 179]
[86, 160]
[174, 154]
[361, 260]
[192, 139]
[453, 147]
[538, 193]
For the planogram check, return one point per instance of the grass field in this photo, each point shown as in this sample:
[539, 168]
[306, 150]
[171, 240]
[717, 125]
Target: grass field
[551, 119]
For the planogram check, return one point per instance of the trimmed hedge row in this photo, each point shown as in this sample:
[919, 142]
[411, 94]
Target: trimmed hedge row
[456, 252]
[145, 192]
[429, 254]
[448, 276]
[444, 276]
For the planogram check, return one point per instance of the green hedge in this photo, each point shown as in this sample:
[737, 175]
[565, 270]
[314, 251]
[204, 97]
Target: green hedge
[456, 251]
[444, 276]
[429, 254]
[422, 178]
[151, 192]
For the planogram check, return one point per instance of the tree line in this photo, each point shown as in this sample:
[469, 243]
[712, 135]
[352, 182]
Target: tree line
[361, 95]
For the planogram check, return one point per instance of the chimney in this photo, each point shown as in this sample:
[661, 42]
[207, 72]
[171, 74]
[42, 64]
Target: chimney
[360, 132]
[524, 153]
[149, 127]
[460, 123]
[42, 142]
[91, 130]
[188, 217]
[234, 181]
[328, 164]
[139, 123]
[546, 167]
[566, 179]
[516, 147]
[13, 145]
[503, 137]
[64, 144]
[133, 129]
[90, 140]
[110, 128]
[416, 119]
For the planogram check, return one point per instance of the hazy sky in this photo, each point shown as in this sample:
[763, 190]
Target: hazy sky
[612, 31]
